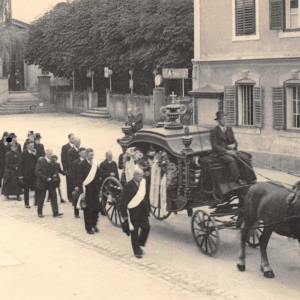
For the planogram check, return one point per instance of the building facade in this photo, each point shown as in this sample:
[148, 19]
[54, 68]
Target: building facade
[247, 62]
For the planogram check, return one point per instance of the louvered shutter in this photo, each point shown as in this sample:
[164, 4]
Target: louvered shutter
[257, 97]
[278, 107]
[245, 17]
[230, 104]
[276, 14]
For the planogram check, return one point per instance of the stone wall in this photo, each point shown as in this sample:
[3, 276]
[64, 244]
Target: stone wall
[3, 90]
[118, 105]
[76, 102]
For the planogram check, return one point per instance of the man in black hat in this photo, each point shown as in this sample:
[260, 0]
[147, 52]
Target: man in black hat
[30, 137]
[40, 150]
[3, 143]
[224, 147]
[64, 161]
[26, 169]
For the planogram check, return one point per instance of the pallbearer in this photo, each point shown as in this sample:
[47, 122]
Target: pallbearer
[89, 186]
[135, 207]
[74, 174]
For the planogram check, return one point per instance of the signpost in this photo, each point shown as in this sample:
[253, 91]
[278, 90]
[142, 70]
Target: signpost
[106, 72]
[176, 74]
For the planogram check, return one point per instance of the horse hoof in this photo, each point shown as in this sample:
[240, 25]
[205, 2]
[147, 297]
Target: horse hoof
[269, 274]
[241, 268]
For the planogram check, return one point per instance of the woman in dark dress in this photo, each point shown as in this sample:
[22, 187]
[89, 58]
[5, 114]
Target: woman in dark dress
[10, 180]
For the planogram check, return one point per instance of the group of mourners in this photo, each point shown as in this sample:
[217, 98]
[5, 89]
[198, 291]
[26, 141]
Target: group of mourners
[32, 168]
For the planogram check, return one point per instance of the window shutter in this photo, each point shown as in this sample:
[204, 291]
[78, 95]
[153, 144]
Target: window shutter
[276, 14]
[257, 97]
[230, 104]
[278, 107]
[245, 17]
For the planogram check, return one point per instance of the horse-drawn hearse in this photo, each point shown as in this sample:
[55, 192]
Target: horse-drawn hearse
[182, 176]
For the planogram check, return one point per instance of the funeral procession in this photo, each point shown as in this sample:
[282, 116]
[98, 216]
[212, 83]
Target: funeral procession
[149, 149]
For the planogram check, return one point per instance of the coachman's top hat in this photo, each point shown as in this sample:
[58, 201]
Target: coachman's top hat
[30, 132]
[220, 114]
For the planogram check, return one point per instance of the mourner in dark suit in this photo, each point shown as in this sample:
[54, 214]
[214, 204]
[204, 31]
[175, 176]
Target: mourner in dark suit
[64, 161]
[12, 138]
[107, 168]
[138, 120]
[3, 143]
[10, 180]
[45, 180]
[139, 214]
[224, 147]
[30, 137]
[26, 171]
[56, 178]
[40, 150]
[74, 173]
[129, 120]
[91, 211]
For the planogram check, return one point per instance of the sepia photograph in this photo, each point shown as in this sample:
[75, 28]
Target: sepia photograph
[149, 149]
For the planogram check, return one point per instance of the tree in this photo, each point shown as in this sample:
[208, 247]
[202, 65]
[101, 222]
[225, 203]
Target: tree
[119, 34]
[12, 40]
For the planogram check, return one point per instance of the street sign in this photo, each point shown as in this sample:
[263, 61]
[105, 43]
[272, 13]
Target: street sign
[175, 73]
[131, 84]
[106, 72]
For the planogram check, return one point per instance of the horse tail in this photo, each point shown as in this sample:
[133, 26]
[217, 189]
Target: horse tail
[251, 205]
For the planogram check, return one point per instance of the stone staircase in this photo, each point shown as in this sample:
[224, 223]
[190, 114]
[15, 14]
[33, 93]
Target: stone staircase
[26, 103]
[97, 112]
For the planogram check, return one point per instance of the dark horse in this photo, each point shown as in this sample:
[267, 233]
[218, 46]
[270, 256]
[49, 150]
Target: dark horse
[278, 209]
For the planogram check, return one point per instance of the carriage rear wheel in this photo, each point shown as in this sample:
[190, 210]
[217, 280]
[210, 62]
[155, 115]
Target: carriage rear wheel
[253, 237]
[205, 232]
[110, 196]
[158, 214]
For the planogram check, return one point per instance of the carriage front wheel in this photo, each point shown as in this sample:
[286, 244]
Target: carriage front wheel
[111, 191]
[205, 232]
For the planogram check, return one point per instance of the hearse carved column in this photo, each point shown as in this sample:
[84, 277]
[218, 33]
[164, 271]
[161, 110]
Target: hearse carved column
[180, 178]
[187, 190]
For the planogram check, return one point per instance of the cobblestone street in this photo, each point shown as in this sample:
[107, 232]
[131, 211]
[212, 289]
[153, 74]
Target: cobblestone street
[172, 268]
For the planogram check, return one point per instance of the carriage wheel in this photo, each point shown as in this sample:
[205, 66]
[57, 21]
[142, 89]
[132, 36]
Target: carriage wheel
[253, 237]
[157, 214]
[205, 232]
[111, 192]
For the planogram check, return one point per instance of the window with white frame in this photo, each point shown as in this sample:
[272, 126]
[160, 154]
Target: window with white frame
[284, 15]
[293, 107]
[245, 105]
[292, 14]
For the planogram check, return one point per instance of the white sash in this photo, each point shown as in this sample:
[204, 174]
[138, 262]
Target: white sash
[88, 180]
[163, 196]
[155, 182]
[136, 200]
[129, 169]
